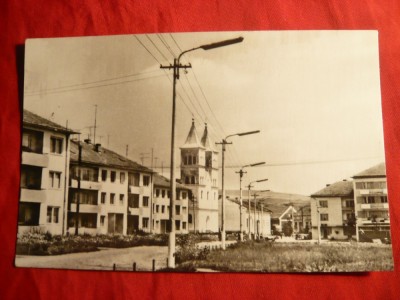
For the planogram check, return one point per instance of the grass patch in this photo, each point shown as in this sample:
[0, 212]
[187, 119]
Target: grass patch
[296, 257]
[46, 244]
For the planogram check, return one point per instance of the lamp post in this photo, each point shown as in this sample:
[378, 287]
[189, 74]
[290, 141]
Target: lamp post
[176, 67]
[224, 142]
[249, 187]
[241, 173]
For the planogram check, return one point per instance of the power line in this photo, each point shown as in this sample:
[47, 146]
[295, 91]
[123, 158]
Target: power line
[92, 82]
[166, 44]
[95, 86]
[162, 54]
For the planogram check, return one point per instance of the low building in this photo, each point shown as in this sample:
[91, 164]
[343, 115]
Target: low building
[282, 216]
[332, 210]
[44, 175]
[371, 204]
[113, 192]
[302, 219]
[161, 206]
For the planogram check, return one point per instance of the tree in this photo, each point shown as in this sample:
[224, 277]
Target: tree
[287, 228]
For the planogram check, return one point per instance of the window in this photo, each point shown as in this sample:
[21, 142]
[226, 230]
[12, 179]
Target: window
[184, 225]
[122, 177]
[384, 199]
[88, 220]
[102, 219]
[121, 199]
[88, 197]
[145, 222]
[133, 200]
[112, 198]
[348, 203]
[371, 185]
[103, 198]
[163, 193]
[194, 160]
[190, 218]
[157, 208]
[157, 193]
[55, 180]
[134, 179]
[56, 145]
[87, 174]
[177, 225]
[323, 203]
[32, 141]
[31, 177]
[113, 176]
[146, 180]
[169, 194]
[28, 213]
[52, 214]
[370, 200]
[145, 201]
[184, 195]
[193, 180]
[103, 175]
[163, 208]
[324, 217]
[177, 210]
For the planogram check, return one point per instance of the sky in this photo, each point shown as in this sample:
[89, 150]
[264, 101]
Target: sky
[314, 96]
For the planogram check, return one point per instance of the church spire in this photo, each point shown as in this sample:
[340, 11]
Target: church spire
[205, 140]
[192, 140]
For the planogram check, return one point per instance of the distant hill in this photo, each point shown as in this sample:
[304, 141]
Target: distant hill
[274, 201]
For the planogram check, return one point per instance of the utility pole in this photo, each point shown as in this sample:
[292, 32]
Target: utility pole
[95, 118]
[255, 219]
[176, 68]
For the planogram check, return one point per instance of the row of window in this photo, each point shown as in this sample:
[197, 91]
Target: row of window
[374, 199]
[103, 198]
[164, 193]
[371, 185]
[157, 208]
[31, 178]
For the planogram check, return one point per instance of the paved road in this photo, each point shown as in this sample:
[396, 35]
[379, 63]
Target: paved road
[100, 260]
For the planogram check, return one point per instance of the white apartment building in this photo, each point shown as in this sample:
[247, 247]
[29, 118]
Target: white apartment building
[371, 204]
[114, 193]
[332, 209]
[44, 175]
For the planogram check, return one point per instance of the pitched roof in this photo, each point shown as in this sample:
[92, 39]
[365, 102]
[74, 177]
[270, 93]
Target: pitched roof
[104, 157]
[338, 189]
[29, 118]
[376, 171]
[205, 140]
[192, 140]
[165, 182]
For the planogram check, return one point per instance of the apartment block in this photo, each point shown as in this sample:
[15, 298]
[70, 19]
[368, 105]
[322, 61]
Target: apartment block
[44, 175]
[113, 192]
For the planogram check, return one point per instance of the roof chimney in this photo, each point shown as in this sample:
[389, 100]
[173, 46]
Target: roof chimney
[327, 184]
[344, 179]
[97, 147]
[87, 141]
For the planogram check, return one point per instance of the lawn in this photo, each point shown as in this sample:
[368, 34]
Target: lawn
[295, 257]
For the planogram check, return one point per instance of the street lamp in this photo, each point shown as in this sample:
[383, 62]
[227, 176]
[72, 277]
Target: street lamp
[241, 173]
[249, 187]
[176, 67]
[224, 142]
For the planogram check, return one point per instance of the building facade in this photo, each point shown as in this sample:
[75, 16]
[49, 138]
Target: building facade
[199, 172]
[332, 210]
[44, 175]
[161, 206]
[113, 192]
[371, 204]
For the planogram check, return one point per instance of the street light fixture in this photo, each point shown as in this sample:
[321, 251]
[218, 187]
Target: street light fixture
[176, 67]
[224, 142]
[249, 187]
[241, 173]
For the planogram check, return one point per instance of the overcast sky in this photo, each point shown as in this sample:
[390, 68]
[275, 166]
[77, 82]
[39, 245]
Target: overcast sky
[315, 96]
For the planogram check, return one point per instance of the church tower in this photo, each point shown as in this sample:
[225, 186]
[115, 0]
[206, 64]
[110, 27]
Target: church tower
[199, 171]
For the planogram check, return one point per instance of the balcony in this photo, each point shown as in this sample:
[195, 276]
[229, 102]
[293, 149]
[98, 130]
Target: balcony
[35, 159]
[133, 211]
[87, 185]
[375, 206]
[85, 208]
[28, 195]
[368, 221]
[373, 192]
